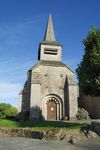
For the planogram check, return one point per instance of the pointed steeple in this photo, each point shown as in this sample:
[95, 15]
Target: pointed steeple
[49, 48]
[49, 33]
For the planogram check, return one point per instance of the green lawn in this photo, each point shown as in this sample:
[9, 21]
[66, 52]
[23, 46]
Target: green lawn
[8, 123]
[42, 124]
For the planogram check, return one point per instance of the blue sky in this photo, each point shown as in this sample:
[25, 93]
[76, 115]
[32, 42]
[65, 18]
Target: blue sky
[22, 27]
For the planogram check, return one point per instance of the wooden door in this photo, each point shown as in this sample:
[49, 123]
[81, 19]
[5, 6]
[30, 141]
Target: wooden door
[51, 110]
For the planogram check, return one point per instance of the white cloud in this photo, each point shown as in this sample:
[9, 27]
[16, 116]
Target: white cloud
[14, 70]
[9, 93]
[9, 90]
[15, 60]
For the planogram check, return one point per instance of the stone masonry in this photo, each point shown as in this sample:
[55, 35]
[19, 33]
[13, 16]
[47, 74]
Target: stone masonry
[50, 92]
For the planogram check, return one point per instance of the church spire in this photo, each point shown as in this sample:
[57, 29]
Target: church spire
[49, 49]
[49, 33]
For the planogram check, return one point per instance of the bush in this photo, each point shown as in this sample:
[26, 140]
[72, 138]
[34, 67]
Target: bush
[7, 110]
[82, 114]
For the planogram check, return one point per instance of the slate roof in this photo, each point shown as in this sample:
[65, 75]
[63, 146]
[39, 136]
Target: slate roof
[50, 63]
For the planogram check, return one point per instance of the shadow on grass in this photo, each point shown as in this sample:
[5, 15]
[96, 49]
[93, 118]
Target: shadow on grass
[43, 124]
[52, 124]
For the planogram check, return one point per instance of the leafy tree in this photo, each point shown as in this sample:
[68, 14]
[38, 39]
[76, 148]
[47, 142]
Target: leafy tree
[7, 110]
[88, 70]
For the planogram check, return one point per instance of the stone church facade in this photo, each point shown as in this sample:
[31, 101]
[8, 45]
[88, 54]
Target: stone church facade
[50, 91]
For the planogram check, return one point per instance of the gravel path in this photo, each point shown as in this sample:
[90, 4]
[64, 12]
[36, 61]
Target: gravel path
[7, 143]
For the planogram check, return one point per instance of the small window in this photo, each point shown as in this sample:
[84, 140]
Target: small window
[51, 51]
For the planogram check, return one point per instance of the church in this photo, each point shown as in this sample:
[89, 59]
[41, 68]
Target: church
[50, 92]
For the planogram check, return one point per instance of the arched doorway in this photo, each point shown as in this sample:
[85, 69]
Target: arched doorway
[51, 110]
[52, 107]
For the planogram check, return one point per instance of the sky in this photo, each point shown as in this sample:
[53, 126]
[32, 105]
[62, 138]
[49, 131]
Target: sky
[22, 28]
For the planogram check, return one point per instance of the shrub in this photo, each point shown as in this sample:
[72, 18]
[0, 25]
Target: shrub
[82, 114]
[7, 110]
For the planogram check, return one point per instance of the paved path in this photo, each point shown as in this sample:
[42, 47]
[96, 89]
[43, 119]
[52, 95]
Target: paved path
[33, 144]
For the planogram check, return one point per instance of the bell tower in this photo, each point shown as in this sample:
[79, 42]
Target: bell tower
[49, 49]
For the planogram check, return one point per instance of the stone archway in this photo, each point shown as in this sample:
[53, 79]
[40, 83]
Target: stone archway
[52, 108]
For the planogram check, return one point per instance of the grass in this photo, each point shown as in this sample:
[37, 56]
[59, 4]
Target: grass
[42, 124]
[8, 123]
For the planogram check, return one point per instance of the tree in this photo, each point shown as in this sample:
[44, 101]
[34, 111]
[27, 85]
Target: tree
[7, 110]
[88, 70]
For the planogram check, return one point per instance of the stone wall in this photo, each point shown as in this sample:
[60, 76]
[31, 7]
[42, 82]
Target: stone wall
[20, 132]
[51, 134]
[45, 79]
[54, 79]
[50, 57]
[91, 104]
